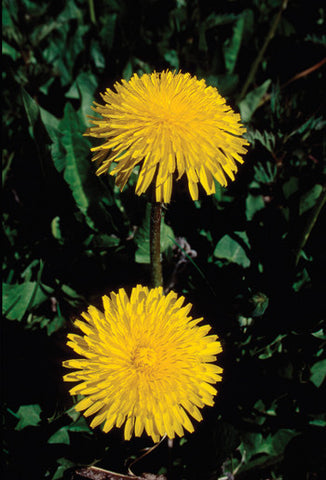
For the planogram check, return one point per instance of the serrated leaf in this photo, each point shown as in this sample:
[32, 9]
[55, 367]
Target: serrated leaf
[230, 249]
[267, 139]
[318, 373]
[250, 103]
[29, 415]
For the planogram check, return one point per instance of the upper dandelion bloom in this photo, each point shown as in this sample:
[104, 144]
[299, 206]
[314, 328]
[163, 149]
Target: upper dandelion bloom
[146, 363]
[167, 123]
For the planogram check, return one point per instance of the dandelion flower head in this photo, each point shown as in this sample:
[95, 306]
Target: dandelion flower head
[146, 364]
[170, 124]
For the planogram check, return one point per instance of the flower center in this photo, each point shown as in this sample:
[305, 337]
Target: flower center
[144, 358]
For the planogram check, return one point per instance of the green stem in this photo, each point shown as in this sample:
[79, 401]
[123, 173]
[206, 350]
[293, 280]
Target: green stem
[310, 224]
[155, 244]
[255, 65]
[92, 11]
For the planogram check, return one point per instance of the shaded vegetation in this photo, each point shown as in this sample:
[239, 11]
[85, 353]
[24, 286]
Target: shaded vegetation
[251, 258]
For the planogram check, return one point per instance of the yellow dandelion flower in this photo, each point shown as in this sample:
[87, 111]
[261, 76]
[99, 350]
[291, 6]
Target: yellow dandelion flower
[168, 123]
[146, 363]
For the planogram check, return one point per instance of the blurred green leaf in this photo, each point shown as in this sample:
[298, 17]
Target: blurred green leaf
[250, 103]
[29, 416]
[64, 465]
[290, 187]
[318, 373]
[17, 299]
[108, 29]
[308, 200]
[230, 249]
[232, 46]
[9, 50]
[254, 203]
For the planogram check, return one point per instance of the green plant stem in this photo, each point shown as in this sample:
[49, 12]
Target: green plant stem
[155, 244]
[255, 65]
[92, 11]
[310, 224]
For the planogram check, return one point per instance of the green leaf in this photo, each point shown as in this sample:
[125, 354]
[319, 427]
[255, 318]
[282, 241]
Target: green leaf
[290, 187]
[318, 373]
[60, 436]
[9, 50]
[107, 31]
[29, 415]
[267, 139]
[64, 464]
[254, 203]
[172, 58]
[83, 88]
[230, 249]
[225, 84]
[90, 194]
[250, 103]
[232, 46]
[20, 298]
[142, 238]
[31, 107]
[308, 199]
[55, 324]
[258, 449]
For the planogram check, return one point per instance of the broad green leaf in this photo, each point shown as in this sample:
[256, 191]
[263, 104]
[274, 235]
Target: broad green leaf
[258, 449]
[17, 299]
[29, 415]
[55, 324]
[64, 464]
[230, 249]
[318, 373]
[308, 199]
[61, 436]
[89, 193]
[290, 187]
[142, 238]
[254, 203]
[250, 103]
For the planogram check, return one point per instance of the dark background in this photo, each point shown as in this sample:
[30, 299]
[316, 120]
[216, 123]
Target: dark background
[251, 258]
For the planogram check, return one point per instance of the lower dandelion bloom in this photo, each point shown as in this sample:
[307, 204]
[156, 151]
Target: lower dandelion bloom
[146, 363]
[167, 123]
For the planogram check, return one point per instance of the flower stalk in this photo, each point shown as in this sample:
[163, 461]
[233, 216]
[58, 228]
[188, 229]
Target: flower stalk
[155, 244]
